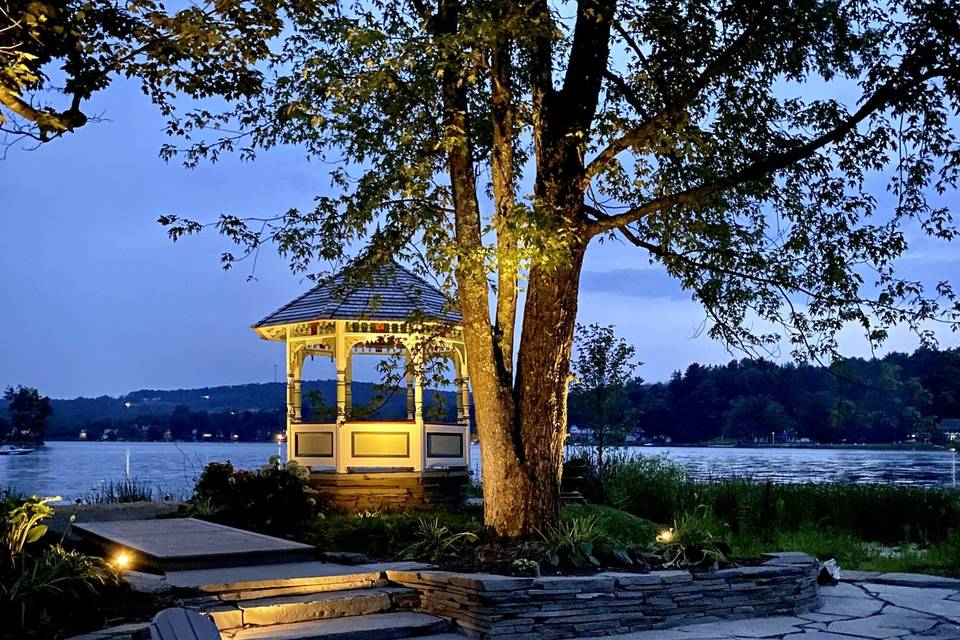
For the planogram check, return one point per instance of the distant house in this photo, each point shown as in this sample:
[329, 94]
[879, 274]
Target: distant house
[950, 428]
[578, 434]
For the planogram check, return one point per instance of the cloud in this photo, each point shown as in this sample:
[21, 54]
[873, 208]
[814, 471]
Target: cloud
[636, 283]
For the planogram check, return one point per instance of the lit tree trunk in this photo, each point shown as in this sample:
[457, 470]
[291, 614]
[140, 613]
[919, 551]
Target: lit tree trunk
[522, 433]
[522, 418]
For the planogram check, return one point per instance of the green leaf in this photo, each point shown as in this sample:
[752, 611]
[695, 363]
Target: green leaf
[36, 533]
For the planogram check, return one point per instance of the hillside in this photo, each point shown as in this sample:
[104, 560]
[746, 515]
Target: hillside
[249, 411]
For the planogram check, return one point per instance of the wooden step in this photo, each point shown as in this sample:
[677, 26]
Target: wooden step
[379, 626]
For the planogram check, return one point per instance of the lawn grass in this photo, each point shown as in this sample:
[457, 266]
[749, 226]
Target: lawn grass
[629, 529]
[853, 553]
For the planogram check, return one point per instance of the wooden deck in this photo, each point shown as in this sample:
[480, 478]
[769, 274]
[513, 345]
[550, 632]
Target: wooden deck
[179, 544]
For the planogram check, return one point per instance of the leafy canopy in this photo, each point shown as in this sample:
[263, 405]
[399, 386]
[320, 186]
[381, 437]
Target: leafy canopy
[55, 55]
[741, 144]
[720, 145]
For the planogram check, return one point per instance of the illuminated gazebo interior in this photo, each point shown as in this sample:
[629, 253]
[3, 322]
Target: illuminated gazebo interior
[389, 310]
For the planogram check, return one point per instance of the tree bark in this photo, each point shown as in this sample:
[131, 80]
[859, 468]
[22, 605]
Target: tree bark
[522, 418]
[504, 197]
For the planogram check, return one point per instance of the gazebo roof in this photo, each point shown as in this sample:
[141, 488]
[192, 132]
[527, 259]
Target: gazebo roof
[391, 293]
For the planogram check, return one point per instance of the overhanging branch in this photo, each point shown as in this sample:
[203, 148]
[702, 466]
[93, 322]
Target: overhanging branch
[883, 97]
[674, 111]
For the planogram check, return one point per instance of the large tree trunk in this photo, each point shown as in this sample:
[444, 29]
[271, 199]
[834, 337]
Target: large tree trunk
[522, 418]
[522, 451]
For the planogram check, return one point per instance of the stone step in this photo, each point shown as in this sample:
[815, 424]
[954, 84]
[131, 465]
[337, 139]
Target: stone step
[378, 626]
[311, 606]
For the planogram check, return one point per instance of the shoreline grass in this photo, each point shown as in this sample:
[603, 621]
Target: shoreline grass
[866, 527]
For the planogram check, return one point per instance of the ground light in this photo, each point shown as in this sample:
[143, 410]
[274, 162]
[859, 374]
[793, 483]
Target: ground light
[665, 536]
[122, 560]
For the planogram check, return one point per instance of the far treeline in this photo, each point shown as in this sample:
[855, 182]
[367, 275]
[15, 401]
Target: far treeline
[892, 399]
[248, 412]
[899, 397]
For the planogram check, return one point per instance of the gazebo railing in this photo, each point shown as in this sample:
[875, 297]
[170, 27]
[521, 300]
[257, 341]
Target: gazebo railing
[358, 446]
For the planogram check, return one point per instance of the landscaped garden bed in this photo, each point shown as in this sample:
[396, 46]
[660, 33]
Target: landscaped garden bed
[486, 606]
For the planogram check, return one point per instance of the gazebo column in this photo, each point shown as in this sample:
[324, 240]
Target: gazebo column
[458, 381]
[294, 375]
[418, 398]
[464, 392]
[418, 437]
[348, 391]
[410, 399]
[340, 358]
[463, 387]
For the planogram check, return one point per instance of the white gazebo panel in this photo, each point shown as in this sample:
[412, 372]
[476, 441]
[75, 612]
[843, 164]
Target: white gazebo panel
[313, 445]
[446, 445]
[379, 445]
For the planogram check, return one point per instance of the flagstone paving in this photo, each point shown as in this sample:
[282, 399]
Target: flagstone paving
[849, 611]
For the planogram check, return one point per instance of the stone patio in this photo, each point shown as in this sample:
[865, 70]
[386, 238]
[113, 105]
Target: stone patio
[849, 611]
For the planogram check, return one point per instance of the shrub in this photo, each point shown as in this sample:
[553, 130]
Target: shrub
[52, 587]
[204, 508]
[383, 535]
[570, 543]
[274, 499]
[580, 541]
[888, 514]
[434, 541]
[660, 490]
[45, 588]
[647, 486]
[20, 525]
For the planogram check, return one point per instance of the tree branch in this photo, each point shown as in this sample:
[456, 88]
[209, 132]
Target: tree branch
[504, 196]
[588, 58]
[673, 112]
[882, 98]
[47, 121]
[628, 94]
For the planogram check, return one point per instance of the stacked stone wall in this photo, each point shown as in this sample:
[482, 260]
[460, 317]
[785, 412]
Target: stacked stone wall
[515, 608]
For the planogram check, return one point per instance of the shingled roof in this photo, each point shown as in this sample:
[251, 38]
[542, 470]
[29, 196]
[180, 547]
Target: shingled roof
[391, 293]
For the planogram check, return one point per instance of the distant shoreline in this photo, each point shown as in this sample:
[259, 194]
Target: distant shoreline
[888, 446]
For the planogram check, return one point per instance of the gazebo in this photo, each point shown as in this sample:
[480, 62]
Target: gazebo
[363, 464]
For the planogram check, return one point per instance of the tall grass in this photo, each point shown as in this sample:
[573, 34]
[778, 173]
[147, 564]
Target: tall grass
[661, 490]
[122, 490]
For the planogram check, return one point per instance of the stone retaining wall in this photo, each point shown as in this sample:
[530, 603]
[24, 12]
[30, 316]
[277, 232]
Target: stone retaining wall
[491, 606]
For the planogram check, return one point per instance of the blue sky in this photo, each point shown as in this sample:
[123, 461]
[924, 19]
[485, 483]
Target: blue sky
[94, 299]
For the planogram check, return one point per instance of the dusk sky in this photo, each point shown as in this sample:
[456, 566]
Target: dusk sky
[95, 299]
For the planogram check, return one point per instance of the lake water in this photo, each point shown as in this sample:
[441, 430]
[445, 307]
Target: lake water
[73, 469]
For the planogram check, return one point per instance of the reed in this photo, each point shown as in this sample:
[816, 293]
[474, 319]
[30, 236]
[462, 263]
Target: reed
[122, 490]
[660, 490]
